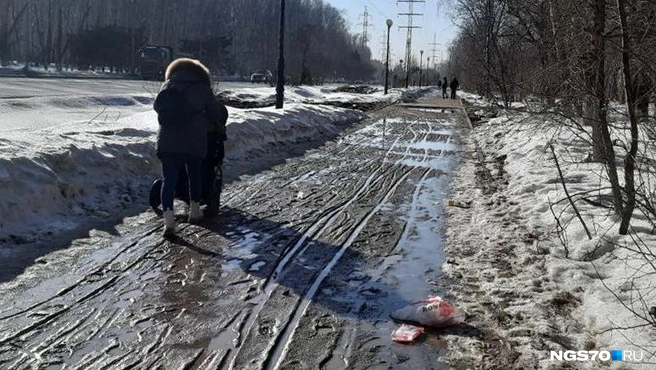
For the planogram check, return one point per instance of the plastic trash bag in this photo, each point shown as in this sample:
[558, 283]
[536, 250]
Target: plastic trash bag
[407, 333]
[434, 312]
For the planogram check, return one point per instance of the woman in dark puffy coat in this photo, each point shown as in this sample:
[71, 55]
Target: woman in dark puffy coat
[185, 146]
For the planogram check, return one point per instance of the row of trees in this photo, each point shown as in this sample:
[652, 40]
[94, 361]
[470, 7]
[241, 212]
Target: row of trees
[555, 48]
[579, 56]
[234, 36]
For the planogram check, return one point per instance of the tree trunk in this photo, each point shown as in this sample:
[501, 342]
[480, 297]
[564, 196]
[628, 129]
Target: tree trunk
[47, 52]
[4, 37]
[59, 40]
[601, 133]
[629, 161]
[488, 48]
[642, 92]
[6, 31]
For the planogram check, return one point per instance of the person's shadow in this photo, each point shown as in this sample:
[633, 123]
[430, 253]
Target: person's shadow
[276, 253]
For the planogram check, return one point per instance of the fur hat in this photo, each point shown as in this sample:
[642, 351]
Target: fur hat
[190, 65]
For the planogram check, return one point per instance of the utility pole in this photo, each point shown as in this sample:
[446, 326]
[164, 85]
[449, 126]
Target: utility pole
[421, 63]
[365, 27]
[409, 26]
[280, 85]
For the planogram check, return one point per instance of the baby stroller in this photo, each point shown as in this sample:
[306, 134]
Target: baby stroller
[212, 182]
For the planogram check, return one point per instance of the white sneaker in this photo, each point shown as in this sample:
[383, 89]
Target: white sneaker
[169, 223]
[195, 214]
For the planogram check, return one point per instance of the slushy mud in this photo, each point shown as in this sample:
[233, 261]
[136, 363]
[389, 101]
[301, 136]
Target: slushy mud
[300, 270]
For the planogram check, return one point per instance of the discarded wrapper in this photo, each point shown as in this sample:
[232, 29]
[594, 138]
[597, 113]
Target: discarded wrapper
[407, 333]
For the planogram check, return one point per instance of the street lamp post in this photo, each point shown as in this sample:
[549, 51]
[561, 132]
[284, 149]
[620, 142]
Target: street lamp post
[389, 25]
[421, 60]
[280, 85]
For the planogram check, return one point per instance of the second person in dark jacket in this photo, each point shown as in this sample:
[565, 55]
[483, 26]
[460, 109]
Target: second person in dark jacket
[454, 87]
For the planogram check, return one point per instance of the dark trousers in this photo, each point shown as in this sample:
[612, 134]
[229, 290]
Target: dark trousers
[172, 164]
[453, 93]
[444, 96]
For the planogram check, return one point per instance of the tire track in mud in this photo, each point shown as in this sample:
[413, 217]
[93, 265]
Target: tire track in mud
[316, 230]
[69, 301]
[375, 183]
[273, 361]
[98, 271]
[372, 184]
[327, 212]
[263, 182]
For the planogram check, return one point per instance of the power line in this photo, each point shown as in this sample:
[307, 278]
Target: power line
[410, 27]
[380, 12]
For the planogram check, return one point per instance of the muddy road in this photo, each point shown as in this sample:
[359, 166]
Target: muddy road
[300, 270]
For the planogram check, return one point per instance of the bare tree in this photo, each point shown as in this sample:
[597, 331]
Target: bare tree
[246, 25]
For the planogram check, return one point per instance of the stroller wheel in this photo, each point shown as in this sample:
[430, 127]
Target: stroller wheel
[214, 198]
[155, 199]
[214, 202]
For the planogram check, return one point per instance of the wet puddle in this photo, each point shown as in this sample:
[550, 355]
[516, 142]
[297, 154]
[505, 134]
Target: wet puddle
[415, 260]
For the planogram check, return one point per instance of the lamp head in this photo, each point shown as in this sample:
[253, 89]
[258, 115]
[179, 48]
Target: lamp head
[389, 23]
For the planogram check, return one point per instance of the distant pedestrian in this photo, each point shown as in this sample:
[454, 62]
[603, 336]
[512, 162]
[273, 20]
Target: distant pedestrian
[454, 87]
[445, 84]
[439, 84]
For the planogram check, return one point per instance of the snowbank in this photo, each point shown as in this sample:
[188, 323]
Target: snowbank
[58, 177]
[255, 128]
[265, 96]
[533, 284]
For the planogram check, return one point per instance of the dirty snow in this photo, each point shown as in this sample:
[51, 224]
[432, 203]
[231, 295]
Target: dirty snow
[311, 94]
[528, 292]
[66, 160]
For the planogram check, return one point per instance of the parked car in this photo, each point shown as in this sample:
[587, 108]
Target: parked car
[262, 75]
[153, 60]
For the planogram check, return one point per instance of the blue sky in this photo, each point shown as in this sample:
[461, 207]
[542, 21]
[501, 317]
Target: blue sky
[436, 23]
